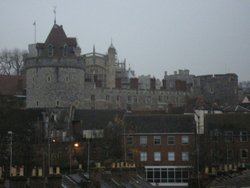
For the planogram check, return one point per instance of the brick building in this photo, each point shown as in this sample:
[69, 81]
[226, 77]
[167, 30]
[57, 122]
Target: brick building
[163, 145]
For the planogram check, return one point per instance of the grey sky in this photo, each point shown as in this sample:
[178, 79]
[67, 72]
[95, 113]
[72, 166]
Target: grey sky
[204, 36]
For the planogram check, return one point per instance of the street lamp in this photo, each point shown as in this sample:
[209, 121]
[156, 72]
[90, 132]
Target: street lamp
[75, 146]
[11, 143]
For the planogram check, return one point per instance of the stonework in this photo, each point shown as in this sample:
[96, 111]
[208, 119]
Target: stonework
[57, 75]
[54, 86]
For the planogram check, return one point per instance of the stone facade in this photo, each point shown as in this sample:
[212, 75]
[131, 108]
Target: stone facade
[58, 76]
[60, 85]
[220, 88]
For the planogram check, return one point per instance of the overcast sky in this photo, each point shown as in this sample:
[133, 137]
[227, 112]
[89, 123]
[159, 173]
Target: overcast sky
[204, 36]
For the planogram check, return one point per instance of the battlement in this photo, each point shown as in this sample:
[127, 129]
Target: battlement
[35, 62]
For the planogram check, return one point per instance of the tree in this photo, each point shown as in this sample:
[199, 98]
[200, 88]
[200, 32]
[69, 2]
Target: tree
[11, 61]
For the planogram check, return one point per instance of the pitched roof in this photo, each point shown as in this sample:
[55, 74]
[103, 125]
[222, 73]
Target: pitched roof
[57, 36]
[236, 108]
[159, 123]
[11, 85]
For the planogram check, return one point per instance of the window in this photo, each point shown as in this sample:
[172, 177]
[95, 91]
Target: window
[92, 97]
[65, 50]
[243, 136]
[167, 175]
[244, 153]
[185, 156]
[184, 139]
[117, 98]
[129, 98]
[48, 78]
[143, 140]
[129, 140]
[130, 156]
[107, 97]
[57, 103]
[50, 50]
[37, 103]
[160, 98]
[135, 99]
[157, 156]
[171, 156]
[157, 140]
[143, 156]
[228, 136]
[171, 140]
[66, 79]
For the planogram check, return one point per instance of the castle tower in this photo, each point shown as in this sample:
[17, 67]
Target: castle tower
[54, 72]
[110, 83]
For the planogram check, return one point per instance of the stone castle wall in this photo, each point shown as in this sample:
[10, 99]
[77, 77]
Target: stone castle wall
[54, 83]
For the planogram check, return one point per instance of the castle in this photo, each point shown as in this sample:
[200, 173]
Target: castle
[58, 76]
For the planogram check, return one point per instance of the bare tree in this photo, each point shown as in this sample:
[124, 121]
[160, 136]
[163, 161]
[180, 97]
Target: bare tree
[11, 61]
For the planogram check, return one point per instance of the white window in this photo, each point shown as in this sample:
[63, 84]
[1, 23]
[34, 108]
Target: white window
[157, 140]
[143, 140]
[171, 140]
[143, 156]
[157, 156]
[184, 139]
[185, 156]
[171, 156]
[243, 136]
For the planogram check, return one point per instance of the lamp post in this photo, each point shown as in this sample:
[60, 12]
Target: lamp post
[11, 143]
[75, 146]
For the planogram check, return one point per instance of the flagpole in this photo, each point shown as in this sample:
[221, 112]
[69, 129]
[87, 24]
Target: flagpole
[34, 31]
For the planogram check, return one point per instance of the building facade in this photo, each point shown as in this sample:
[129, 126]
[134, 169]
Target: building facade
[163, 145]
[57, 75]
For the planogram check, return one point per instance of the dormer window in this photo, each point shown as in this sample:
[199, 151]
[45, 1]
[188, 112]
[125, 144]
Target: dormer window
[65, 50]
[50, 50]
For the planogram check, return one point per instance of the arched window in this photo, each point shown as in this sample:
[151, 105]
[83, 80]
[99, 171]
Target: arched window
[50, 50]
[65, 50]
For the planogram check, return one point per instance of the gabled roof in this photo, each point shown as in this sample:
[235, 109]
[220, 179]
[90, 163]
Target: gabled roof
[58, 38]
[237, 108]
[246, 99]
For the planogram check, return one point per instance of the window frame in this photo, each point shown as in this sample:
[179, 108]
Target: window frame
[244, 136]
[143, 140]
[185, 156]
[171, 156]
[157, 156]
[143, 156]
[169, 141]
[157, 140]
[183, 140]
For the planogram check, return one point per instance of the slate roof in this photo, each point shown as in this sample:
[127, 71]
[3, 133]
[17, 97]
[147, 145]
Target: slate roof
[159, 123]
[11, 85]
[57, 38]
[96, 119]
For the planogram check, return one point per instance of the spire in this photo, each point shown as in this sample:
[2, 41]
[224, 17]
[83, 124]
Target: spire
[54, 14]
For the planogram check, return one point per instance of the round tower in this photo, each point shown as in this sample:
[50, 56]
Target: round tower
[54, 72]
